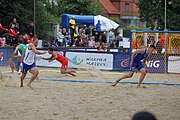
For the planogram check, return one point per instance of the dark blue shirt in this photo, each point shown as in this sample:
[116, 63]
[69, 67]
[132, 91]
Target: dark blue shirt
[140, 57]
[98, 27]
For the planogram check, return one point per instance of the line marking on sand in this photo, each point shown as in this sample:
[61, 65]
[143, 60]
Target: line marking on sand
[107, 72]
[7, 72]
[102, 81]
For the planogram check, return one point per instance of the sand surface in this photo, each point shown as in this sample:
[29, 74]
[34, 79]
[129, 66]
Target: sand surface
[53, 100]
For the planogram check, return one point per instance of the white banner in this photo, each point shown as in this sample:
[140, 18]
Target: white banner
[98, 60]
[174, 64]
[46, 63]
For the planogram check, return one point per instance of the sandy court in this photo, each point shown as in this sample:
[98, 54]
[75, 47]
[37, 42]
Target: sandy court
[53, 100]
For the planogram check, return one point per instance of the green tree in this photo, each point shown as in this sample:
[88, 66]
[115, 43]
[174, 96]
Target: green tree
[152, 11]
[19, 9]
[79, 7]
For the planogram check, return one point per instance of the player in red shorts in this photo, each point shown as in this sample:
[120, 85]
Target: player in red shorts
[60, 58]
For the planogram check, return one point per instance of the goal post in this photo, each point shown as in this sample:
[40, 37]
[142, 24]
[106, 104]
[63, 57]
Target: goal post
[166, 57]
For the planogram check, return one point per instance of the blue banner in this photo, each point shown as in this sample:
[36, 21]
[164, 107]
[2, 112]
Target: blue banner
[121, 62]
[7, 53]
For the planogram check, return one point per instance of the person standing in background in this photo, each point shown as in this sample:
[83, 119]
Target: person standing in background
[60, 38]
[72, 24]
[159, 46]
[16, 25]
[98, 28]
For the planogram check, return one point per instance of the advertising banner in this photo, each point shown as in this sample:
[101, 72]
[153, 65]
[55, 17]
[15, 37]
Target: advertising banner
[102, 61]
[7, 53]
[155, 64]
[45, 63]
[173, 64]
[121, 62]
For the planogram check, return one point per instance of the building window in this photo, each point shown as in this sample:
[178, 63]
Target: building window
[126, 8]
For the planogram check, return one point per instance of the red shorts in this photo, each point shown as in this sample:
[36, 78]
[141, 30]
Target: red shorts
[64, 64]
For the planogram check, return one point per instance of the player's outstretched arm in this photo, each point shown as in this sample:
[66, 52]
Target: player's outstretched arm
[53, 57]
[47, 58]
[35, 50]
[14, 53]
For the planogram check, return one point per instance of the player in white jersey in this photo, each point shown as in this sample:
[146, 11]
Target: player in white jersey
[29, 62]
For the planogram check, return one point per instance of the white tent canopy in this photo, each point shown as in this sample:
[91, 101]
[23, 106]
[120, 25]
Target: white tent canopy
[106, 24]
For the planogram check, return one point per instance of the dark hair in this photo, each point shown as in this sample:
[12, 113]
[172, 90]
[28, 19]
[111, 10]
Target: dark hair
[34, 39]
[144, 116]
[152, 46]
[20, 40]
[51, 48]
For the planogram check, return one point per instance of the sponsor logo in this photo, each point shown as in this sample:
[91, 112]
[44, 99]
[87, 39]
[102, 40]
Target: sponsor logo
[77, 60]
[152, 63]
[125, 62]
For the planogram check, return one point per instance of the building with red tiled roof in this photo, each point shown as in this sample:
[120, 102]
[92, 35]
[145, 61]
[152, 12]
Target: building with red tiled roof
[126, 10]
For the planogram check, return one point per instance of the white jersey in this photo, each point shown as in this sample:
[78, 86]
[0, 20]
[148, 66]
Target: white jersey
[29, 57]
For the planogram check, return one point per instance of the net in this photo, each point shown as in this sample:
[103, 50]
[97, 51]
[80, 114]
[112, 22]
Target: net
[165, 59]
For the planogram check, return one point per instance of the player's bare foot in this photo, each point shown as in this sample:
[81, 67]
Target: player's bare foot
[114, 84]
[73, 71]
[73, 75]
[29, 86]
[21, 85]
[141, 86]
[38, 79]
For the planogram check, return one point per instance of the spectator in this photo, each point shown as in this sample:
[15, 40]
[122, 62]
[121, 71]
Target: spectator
[60, 38]
[3, 41]
[118, 39]
[95, 34]
[144, 116]
[14, 36]
[52, 44]
[104, 38]
[12, 31]
[85, 41]
[2, 28]
[16, 24]
[72, 24]
[66, 37]
[88, 31]
[104, 47]
[98, 27]
[162, 38]
[79, 42]
[91, 42]
[159, 46]
[27, 39]
[112, 38]
[152, 42]
[80, 33]
[30, 30]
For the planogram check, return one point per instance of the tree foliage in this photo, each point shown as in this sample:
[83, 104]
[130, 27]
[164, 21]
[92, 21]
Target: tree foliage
[19, 9]
[153, 12]
[47, 13]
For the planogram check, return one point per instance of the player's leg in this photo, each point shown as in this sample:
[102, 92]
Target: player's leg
[19, 67]
[22, 79]
[143, 74]
[65, 71]
[34, 71]
[24, 72]
[129, 75]
[12, 66]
